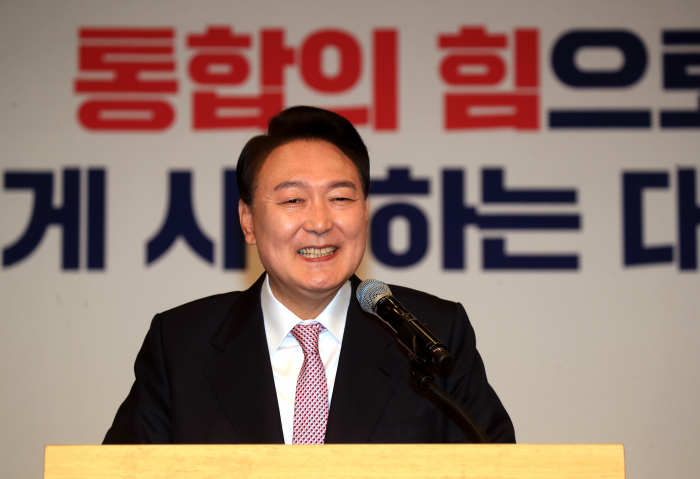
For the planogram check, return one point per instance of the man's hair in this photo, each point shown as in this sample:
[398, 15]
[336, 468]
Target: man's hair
[300, 123]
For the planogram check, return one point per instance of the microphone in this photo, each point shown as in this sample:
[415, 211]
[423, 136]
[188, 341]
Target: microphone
[375, 298]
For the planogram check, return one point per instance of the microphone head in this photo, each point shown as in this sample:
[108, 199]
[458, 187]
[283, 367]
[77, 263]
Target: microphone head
[368, 291]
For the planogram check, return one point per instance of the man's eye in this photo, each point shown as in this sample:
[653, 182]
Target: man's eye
[292, 201]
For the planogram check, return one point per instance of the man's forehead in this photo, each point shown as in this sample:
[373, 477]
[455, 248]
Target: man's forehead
[307, 164]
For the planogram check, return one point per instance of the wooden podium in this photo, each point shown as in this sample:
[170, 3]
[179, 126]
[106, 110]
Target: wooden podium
[482, 461]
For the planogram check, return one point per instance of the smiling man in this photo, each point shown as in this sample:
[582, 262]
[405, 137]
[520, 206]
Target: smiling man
[294, 359]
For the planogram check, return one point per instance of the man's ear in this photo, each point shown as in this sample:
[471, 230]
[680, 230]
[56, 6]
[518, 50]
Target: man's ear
[246, 216]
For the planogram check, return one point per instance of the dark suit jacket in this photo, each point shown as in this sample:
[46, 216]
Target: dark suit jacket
[203, 375]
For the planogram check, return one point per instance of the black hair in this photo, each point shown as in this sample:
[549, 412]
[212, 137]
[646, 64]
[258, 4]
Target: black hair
[300, 123]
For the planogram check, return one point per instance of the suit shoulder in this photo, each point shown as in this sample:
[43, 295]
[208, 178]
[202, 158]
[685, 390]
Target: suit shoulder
[201, 316]
[420, 298]
[441, 315]
[193, 324]
[202, 306]
[217, 305]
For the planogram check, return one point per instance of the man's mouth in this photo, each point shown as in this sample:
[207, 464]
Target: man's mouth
[317, 252]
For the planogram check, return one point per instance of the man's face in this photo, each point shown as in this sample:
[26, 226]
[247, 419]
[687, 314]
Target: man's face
[308, 219]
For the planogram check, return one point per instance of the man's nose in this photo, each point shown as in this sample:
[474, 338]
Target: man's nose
[319, 220]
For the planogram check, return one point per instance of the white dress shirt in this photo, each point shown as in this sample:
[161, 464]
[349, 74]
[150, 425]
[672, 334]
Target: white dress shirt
[287, 356]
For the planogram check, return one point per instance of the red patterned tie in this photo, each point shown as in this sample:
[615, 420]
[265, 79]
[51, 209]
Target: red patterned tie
[311, 399]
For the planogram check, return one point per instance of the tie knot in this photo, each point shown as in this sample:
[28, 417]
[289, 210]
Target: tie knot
[307, 336]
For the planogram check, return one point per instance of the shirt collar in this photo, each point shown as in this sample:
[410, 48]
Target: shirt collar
[279, 320]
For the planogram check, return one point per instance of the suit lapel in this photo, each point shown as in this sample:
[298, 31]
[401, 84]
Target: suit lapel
[369, 370]
[242, 377]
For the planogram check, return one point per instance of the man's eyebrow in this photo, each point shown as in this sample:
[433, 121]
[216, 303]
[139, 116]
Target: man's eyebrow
[343, 184]
[302, 184]
[291, 184]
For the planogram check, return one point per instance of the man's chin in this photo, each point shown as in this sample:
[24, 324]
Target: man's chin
[320, 286]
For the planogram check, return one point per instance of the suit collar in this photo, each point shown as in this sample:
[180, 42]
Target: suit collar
[369, 370]
[242, 377]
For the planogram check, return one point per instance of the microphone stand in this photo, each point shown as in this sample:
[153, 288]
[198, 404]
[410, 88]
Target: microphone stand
[426, 382]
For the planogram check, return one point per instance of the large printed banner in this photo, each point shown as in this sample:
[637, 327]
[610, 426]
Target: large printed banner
[535, 160]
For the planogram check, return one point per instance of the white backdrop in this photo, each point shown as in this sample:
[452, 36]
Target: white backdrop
[602, 353]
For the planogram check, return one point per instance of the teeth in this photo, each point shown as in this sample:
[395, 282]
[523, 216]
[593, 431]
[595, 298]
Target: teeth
[317, 252]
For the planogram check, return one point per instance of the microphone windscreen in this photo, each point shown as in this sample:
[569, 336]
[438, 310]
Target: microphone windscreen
[368, 291]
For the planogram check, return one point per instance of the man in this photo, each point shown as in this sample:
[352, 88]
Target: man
[294, 359]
